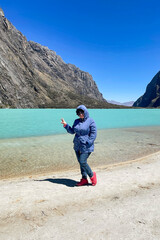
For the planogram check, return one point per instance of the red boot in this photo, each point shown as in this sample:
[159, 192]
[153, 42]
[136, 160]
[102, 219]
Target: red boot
[83, 181]
[94, 179]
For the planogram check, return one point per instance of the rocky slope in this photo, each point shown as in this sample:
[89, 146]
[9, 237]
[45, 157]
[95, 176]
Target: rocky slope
[32, 76]
[151, 97]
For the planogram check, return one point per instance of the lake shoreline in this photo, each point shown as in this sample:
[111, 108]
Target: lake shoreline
[41, 155]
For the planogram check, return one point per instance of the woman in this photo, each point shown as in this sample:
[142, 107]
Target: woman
[85, 132]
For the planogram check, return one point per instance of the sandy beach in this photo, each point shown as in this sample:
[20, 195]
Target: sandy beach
[124, 204]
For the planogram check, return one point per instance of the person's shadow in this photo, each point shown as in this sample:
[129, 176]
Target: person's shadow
[64, 181]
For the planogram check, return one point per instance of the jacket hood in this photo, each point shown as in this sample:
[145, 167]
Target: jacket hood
[86, 113]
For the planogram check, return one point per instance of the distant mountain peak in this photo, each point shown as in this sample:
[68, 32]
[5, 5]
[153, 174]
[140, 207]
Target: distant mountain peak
[128, 104]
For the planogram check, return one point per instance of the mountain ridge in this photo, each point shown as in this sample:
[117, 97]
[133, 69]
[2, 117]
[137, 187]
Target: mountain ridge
[129, 104]
[151, 97]
[33, 76]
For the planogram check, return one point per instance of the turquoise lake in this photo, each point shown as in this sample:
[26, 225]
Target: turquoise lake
[16, 123]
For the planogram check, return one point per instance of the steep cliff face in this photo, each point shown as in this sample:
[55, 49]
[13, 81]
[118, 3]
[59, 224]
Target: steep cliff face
[151, 97]
[32, 76]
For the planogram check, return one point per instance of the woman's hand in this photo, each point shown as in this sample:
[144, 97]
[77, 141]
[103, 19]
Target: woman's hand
[63, 122]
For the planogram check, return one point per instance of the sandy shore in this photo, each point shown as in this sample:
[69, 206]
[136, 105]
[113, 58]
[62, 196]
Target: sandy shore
[124, 205]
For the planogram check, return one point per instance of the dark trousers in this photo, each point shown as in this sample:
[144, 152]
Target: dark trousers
[84, 167]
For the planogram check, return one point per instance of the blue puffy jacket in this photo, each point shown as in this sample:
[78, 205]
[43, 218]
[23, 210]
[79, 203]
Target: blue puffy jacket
[85, 132]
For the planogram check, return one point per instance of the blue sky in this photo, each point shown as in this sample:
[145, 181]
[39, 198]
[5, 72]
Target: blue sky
[116, 41]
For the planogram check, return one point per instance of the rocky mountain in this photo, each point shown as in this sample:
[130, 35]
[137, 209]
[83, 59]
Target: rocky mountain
[151, 97]
[33, 76]
[128, 104]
